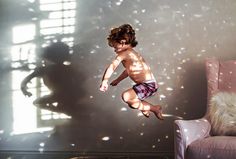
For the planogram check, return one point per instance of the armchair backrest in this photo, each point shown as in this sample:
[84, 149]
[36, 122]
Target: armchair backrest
[221, 76]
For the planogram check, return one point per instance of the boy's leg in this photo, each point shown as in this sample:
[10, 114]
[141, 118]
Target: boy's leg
[131, 98]
[157, 110]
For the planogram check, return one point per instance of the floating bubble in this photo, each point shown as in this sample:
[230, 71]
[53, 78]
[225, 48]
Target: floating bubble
[123, 109]
[162, 96]
[42, 144]
[106, 138]
[140, 114]
[169, 89]
[143, 10]
[135, 11]
[41, 150]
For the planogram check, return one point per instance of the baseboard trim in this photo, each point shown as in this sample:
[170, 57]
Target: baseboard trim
[84, 155]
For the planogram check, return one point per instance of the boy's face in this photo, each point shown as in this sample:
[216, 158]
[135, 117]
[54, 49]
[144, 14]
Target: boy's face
[119, 46]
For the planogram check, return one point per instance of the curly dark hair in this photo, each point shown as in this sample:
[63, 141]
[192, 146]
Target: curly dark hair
[123, 32]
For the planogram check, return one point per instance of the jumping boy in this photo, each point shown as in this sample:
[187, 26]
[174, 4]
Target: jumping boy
[123, 40]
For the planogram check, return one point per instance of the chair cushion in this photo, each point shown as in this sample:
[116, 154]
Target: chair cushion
[217, 147]
[222, 114]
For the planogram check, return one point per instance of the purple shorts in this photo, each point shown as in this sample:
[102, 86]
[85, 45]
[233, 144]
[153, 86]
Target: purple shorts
[145, 89]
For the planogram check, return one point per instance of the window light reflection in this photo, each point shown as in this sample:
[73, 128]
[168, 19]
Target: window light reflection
[51, 23]
[51, 7]
[24, 114]
[69, 5]
[54, 15]
[61, 20]
[69, 21]
[49, 1]
[23, 33]
[69, 13]
[50, 31]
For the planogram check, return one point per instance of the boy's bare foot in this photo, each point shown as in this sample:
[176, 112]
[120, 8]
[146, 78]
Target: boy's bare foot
[158, 112]
[146, 113]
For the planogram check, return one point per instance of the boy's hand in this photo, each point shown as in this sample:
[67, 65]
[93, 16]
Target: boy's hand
[114, 83]
[104, 86]
[25, 92]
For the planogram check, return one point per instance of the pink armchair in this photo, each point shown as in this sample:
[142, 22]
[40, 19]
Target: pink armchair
[193, 139]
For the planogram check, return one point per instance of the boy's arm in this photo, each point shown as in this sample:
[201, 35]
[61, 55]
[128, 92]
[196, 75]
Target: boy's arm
[27, 79]
[109, 71]
[122, 76]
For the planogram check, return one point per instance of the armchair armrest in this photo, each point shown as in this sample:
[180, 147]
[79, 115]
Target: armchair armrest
[187, 131]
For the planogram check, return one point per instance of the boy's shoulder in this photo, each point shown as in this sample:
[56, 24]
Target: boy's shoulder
[127, 54]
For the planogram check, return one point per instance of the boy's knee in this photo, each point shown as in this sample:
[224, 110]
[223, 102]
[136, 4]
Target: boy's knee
[125, 97]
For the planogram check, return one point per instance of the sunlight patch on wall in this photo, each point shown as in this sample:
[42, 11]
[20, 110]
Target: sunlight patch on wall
[27, 38]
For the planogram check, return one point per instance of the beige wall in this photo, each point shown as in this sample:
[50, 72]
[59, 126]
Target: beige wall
[175, 37]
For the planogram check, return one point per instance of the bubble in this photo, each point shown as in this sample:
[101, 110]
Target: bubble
[143, 10]
[106, 138]
[123, 109]
[197, 15]
[169, 89]
[42, 144]
[93, 51]
[41, 150]
[97, 46]
[135, 12]
[162, 96]
[140, 114]
[118, 3]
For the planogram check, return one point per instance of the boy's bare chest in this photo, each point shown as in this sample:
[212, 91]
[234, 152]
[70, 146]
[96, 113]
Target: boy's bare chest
[132, 65]
[126, 63]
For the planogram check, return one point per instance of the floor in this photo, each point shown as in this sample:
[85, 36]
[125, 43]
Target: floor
[61, 155]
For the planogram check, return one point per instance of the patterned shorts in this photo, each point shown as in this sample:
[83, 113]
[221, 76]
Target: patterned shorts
[145, 89]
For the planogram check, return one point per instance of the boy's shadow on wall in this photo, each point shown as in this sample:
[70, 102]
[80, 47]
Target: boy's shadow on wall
[64, 81]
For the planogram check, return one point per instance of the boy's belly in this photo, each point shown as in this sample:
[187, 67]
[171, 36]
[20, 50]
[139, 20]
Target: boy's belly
[141, 77]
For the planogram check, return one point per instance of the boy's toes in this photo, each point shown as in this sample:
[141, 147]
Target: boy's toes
[158, 112]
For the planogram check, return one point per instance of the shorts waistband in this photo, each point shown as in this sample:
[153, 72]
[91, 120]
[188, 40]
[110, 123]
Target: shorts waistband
[150, 81]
